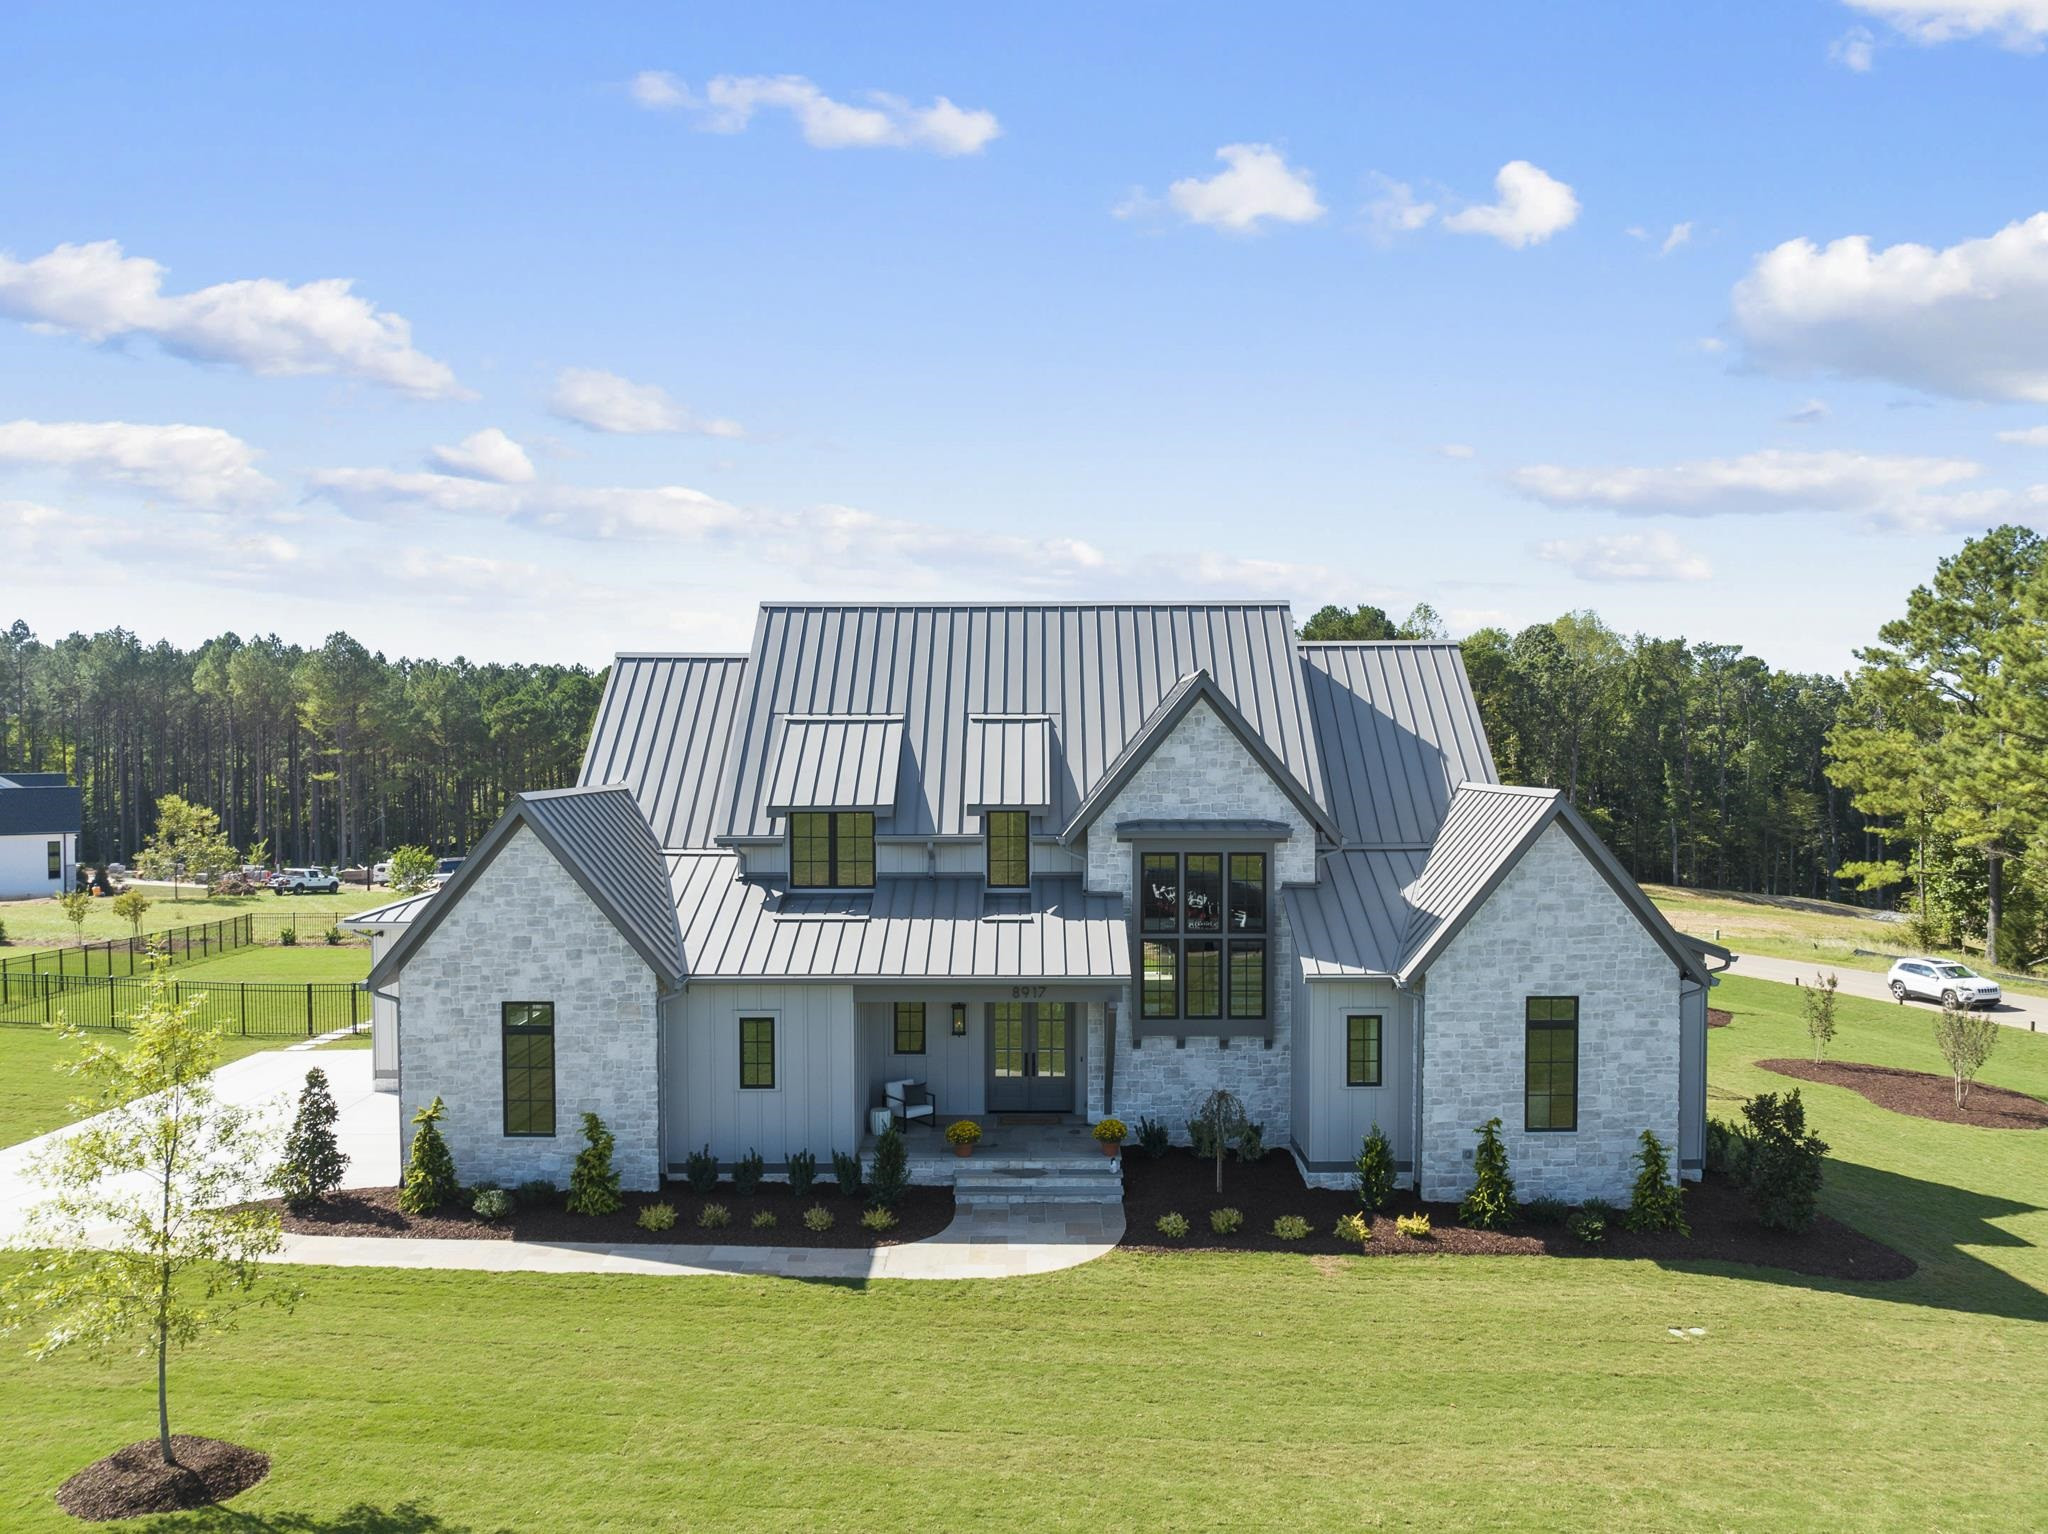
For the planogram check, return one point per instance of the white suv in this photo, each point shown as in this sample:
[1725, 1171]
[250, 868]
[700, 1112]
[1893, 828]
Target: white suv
[1940, 979]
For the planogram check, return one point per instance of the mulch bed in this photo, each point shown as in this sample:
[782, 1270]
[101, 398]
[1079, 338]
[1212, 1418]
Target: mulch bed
[133, 1481]
[1922, 1094]
[921, 1212]
[1717, 1018]
[1724, 1229]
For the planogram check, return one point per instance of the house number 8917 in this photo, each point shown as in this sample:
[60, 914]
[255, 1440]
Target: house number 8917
[1026, 992]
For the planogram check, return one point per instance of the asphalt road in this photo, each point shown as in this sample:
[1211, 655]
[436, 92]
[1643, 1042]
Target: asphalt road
[2016, 1011]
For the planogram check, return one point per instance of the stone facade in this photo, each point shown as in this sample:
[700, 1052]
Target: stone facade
[1554, 927]
[526, 931]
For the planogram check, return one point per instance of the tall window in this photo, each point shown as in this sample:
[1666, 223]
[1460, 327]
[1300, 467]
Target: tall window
[1202, 935]
[529, 1036]
[909, 1028]
[1362, 1050]
[56, 851]
[1551, 1084]
[832, 849]
[1009, 848]
[757, 1053]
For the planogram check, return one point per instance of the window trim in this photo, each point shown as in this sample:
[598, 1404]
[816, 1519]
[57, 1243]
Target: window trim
[1532, 1025]
[1225, 1022]
[834, 881]
[774, 1021]
[896, 1030]
[55, 853]
[988, 841]
[505, 1032]
[1376, 1036]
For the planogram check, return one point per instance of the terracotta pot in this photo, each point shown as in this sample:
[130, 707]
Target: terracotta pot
[963, 1148]
[1111, 1147]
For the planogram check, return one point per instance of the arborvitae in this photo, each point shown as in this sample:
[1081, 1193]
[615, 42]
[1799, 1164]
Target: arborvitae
[430, 1179]
[1491, 1203]
[313, 1162]
[594, 1181]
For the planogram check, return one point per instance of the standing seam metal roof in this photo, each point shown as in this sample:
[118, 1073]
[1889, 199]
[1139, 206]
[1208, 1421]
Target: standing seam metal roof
[662, 731]
[835, 762]
[1008, 762]
[1354, 920]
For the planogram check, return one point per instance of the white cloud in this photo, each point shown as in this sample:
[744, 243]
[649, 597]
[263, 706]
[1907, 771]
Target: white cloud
[268, 327]
[1854, 50]
[488, 454]
[211, 548]
[2031, 436]
[2020, 25]
[1812, 413]
[1257, 184]
[1396, 210]
[1456, 450]
[1970, 320]
[1681, 234]
[728, 105]
[1775, 480]
[198, 465]
[570, 511]
[1627, 557]
[1532, 206]
[606, 402]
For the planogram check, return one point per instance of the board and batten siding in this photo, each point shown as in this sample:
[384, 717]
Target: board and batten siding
[814, 1104]
[1333, 1119]
[956, 1070]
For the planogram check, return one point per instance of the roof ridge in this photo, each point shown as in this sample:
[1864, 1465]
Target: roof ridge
[619, 655]
[1379, 644]
[1256, 603]
[1525, 789]
[577, 788]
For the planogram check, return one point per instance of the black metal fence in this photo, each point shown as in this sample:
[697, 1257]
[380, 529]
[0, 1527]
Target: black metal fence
[253, 1008]
[130, 955]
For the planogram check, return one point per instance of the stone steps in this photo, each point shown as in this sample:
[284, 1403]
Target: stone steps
[1067, 1182]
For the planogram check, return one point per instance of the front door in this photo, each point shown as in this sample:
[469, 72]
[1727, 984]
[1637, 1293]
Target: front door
[1030, 1057]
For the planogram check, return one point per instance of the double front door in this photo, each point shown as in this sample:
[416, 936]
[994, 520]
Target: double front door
[1030, 1057]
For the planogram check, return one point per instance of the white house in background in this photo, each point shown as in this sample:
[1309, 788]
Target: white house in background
[1067, 860]
[41, 816]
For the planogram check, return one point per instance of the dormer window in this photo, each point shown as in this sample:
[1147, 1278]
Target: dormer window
[1009, 848]
[832, 849]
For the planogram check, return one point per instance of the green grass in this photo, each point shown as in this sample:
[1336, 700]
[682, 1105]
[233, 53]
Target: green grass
[1162, 1391]
[349, 1041]
[38, 923]
[271, 962]
[34, 1094]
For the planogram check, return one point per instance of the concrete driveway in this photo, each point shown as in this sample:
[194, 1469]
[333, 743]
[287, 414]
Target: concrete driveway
[2016, 1011]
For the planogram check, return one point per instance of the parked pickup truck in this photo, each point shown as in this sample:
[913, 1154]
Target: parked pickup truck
[306, 881]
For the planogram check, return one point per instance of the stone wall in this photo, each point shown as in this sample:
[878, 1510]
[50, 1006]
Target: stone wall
[526, 931]
[1554, 927]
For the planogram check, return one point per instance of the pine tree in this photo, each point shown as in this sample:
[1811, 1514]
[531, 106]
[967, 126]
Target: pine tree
[430, 1179]
[891, 1172]
[313, 1162]
[1657, 1203]
[594, 1181]
[1491, 1203]
[1375, 1168]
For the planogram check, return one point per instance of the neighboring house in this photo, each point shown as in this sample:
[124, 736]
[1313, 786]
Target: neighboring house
[1064, 859]
[41, 816]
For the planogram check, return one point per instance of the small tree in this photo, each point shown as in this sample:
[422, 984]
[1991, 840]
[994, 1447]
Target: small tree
[187, 842]
[1819, 1001]
[1375, 1168]
[143, 1237]
[77, 906]
[131, 906]
[1491, 1203]
[313, 1162]
[1965, 1039]
[430, 1179]
[890, 1174]
[411, 868]
[1658, 1203]
[593, 1180]
[1784, 1161]
[1219, 1119]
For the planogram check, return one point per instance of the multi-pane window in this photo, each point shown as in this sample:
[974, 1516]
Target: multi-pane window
[1202, 935]
[529, 1037]
[56, 852]
[1009, 848]
[1362, 1050]
[1551, 1082]
[757, 1053]
[832, 849]
[909, 1027]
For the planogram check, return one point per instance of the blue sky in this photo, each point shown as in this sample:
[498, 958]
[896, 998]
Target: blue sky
[1724, 321]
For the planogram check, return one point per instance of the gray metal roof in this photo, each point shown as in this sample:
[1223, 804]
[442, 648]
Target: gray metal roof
[662, 731]
[908, 929]
[396, 914]
[1397, 730]
[1008, 765]
[1225, 830]
[1353, 921]
[1097, 672]
[602, 839]
[834, 762]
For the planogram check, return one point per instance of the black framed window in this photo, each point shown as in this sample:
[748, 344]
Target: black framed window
[528, 1029]
[757, 1053]
[1201, 930]
[56, 851]
[832, 849]
[909, 1027]
[1362, 1049]
[1551, 1082]
[1009, 848]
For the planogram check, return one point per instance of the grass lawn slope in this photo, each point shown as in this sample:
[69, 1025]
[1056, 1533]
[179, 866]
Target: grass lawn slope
[41, 923]
[34, 1092]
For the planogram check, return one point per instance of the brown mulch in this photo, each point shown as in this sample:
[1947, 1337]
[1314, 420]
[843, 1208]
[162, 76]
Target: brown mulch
[920, 1212]
[1922, 1094]
[1717, 1018]
[1724, 1229]
[133, 1481]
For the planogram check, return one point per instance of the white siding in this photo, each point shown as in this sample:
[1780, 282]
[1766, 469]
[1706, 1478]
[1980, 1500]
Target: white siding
[814, 1105]
[955, 1069]
[25, 865]
[1340, 1116]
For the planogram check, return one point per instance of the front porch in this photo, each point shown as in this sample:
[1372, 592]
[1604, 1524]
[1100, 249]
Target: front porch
[1020, 1158]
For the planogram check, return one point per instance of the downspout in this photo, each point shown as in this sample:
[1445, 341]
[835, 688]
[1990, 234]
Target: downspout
[1415, 996]
[1109, 1059]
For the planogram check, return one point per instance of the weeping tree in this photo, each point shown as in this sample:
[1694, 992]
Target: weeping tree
[1219, 1119]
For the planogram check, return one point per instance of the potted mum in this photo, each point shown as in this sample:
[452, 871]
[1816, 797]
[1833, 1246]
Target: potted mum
[1109, 1134]
[963, 1134]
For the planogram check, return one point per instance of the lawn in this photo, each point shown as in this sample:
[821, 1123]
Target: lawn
[34, 1094]
[39, 923]
[1147, 1391]
[272, 962]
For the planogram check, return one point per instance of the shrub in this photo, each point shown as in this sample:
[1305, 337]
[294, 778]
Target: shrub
[1965, 1039]
[846, 1172]
[333, 936]
[411, 868]
[879, 1218]
[1202, 1139]
[1600, 1207]
[1785, 1161]
[1375, 1169]
[746, 1173]
[288, 938]
[313, 1162]
[963, 1132]
[656, 1217]
[764, 1219]
[714, 1217]
[492, 1204]
[1589, 1227]
[1173, 1226]
[700, 1169]
[537, 1193]
[1251, 1143]
[1546, 1211]
[818, 1218]
[1657, 1203]
[1354, 1228]
[803, 1171]
[1290, 1227]
[1111, 1132]
[1491, 1203]
[1153, 1139]
[1225, 1222]
[890, 1174]
[430, 1179]
[3, 928]
[1415, 1225]
[593, 1180]
[1728, 1151]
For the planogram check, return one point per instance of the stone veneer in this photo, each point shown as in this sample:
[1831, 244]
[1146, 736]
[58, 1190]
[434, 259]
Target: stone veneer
[1554, 927]
[1203, 771]
[526, 931]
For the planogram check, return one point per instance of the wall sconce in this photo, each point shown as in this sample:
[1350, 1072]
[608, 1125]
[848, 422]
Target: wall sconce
[959, 1019]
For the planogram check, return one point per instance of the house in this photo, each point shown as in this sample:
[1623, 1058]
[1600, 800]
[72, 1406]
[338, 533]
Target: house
[41, 816]
[1069, 861]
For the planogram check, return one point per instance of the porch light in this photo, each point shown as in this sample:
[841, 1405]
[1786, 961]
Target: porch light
[959, 1019]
